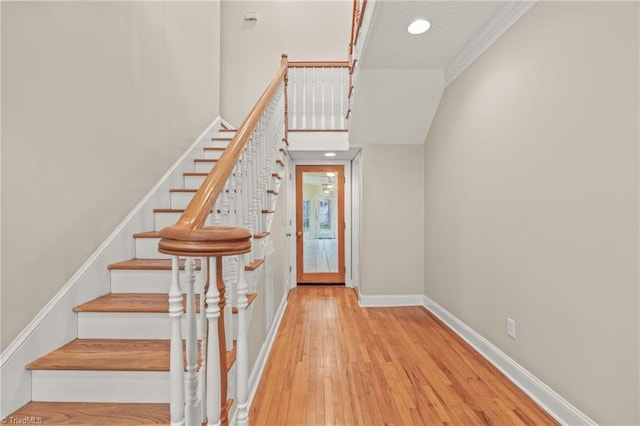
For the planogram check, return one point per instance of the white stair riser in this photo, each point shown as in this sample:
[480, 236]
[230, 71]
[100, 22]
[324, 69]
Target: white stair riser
[162, 220]
[212, 154]
[100, 386]
[127, 325]
[147, 248]
[193, 182]
[220, 144]
[205, 167]
[179, 200]
[144, 281]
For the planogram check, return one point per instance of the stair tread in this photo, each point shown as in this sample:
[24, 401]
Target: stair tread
[147, 264]
[205, 160]
[130, 302]
[147, 234]
[254, 265]
[183, 190]
[169, 210]
[107, 355]
[214, 148]
[92, 413]
[112, 355]
[261, 235]
[195, 174]
[136, 303]
[251, 297]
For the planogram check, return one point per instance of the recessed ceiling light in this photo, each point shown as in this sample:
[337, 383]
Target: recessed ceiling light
[329, 154]
[419, 26]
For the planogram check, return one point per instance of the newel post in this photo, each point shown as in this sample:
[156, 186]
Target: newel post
[204, 243]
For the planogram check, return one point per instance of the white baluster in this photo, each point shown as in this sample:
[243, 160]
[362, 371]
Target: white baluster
[242, 357]
[322, 86]
[343, 100]
[224, 205]
[333, 98]
[213, 351]
[304, 98]
[228, 278]
[204, 274]
[313, 98]
[191, 402]
[176, 369]
[294, 99]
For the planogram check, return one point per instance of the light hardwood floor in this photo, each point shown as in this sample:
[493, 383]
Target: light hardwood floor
[336, 363]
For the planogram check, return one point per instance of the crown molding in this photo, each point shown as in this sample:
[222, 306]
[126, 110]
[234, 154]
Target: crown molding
[498, 24]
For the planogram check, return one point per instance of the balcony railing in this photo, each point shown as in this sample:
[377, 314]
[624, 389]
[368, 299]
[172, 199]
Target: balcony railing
[318, 95]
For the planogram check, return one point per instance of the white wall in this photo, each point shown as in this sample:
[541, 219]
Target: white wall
[98, 100]
[392, 220]
[305, 30]
[531, 201]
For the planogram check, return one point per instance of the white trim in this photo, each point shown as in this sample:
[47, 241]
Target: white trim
[498, 24]
[387, 300]
[261, 361]
[348, 231]
[543, 395]
[56, 324]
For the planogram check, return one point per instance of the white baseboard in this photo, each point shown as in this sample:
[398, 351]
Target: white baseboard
[390, 300]
[56, 323]
[543, 395]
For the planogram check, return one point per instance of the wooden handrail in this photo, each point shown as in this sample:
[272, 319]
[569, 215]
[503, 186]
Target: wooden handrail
[306, 64]
[195, 215]
[359, 23]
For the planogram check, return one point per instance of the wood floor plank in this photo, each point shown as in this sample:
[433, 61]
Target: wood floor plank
[333, 362]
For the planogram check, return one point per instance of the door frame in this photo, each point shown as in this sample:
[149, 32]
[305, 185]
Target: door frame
[293, 225]
[340, 275]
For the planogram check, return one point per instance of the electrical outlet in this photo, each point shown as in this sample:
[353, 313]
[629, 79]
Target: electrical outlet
[511, 328]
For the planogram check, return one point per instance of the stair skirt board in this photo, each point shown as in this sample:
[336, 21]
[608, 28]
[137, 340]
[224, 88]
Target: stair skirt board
[55, 324]
[128, 325]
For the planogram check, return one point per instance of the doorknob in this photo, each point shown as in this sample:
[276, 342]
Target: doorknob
[299, 234]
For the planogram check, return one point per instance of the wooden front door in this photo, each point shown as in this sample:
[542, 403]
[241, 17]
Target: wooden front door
[320, 224]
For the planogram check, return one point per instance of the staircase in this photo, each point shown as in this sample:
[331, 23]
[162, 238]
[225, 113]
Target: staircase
[168, 344]
[117, 370]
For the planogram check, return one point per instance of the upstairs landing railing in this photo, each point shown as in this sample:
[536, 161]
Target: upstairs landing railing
[318, 95]
[216, 234]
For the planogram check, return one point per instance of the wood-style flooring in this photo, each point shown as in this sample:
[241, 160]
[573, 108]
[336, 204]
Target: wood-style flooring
[336, 363]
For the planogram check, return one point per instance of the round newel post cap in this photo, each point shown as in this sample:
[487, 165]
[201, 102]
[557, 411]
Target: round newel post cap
[207, 241]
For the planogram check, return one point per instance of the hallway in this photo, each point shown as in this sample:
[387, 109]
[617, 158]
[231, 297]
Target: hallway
[335, 363]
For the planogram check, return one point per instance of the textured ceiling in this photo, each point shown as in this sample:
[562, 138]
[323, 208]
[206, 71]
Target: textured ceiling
[453, 24]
